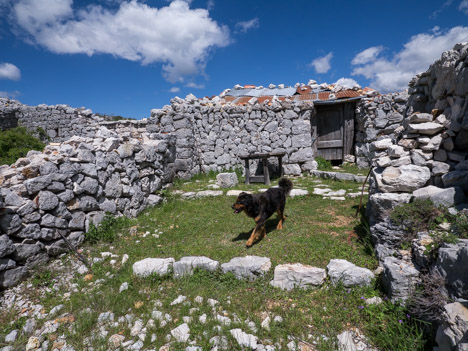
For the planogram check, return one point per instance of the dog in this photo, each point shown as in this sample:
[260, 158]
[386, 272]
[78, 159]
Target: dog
[261, 206]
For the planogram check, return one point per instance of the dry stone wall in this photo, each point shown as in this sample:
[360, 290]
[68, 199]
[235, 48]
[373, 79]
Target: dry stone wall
[61, 122]
[212, 136]
[56, 194]
[424, 157]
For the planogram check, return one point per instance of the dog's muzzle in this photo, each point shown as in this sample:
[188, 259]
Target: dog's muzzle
[236, 210]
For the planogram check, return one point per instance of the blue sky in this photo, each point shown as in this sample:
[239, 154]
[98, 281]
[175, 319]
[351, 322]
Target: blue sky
[127, 57]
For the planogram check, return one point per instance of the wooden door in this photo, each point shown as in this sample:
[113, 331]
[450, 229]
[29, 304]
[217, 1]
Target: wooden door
[328, 131]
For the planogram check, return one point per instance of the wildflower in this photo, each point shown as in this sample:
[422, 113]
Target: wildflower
[408, 316]
[400, 321]
[361, 307]
[363, 298]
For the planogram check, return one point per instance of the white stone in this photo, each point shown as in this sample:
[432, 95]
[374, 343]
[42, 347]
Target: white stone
[186, 265]
[405, 178]
[244, 339]
[179, 300]
[181, 333]
[227, 180]
[345, 342]
[148, 266]
[208, 193]
[348, 273]
[428, 128]
[236, 192]
[123, 287]
[289, 276]
[249, 267]
[321, 191]
[11, 336]
[298, 192]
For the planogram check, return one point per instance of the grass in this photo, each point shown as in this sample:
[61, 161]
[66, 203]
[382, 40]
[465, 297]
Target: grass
[315, 231]
[16, 142]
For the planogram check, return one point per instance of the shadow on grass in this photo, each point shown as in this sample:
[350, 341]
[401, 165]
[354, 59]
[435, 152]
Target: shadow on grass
[270, 225]
[363, 231]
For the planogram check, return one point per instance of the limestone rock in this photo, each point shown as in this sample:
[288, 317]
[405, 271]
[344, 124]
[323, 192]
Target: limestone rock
[289, 276]
[227, 180]
[243, 339]
[399, 278]
[428, 128]
[181, 333]
[148, 266]
[248, 267]
[187, 264]
[451, 334]
[439, 196]
[405, 178]
[348, 274]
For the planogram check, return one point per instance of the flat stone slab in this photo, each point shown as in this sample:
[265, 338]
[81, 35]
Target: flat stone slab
[298, 192]
[207, 193]
[186, 265]
[148, 266]
[441, 196]
[236, 192]
[248, 267]
[348, 273]
[290, 276]
[321, 191]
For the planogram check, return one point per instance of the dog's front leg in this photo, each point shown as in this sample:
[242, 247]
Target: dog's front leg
[257, 232]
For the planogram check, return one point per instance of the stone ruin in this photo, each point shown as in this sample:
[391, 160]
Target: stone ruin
[416, 141]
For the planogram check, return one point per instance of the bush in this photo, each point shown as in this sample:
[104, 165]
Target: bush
[418, 216]
[322, 164]
[15, 143]
[460, 225]
[106, 230]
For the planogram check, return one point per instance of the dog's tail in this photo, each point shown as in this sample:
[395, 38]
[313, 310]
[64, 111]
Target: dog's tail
[286, 185]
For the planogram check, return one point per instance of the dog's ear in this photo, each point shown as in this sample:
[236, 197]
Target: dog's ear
[245, 199]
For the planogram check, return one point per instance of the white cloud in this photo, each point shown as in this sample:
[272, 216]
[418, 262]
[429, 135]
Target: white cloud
[367, 55]
[177, 36]
[195, 85]
[322, 64]
[10, 94]
[174, 90]
[210, 4]
[346, 83]
[9, 71]
[463, 7]
[394, 73]
[244, 26]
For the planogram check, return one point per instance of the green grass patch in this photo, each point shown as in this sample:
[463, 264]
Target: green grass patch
[16, 142]
[316, 230]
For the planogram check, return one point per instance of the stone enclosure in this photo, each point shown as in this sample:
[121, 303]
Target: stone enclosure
[416, 141]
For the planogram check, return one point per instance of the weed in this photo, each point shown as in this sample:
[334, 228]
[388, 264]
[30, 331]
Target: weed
[460, 225]
[322, 164]
[42, 278]
[417, 216]
[107, 229]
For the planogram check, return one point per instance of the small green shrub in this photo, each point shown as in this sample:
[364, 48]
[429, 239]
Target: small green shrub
[460, 225]
[107, 230]
[322, 164]
[15, 143]
[417, 216]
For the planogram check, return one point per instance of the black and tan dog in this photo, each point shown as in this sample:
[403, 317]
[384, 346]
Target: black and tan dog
[261, 206]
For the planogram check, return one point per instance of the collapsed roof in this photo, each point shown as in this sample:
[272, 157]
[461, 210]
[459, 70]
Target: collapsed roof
[323, 93]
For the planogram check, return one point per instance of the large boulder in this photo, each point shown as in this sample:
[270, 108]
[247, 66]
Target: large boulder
[451, 264]
[187, 264]
[406, 178]
[149, 266]
[347, 273]
[456, 178]
[399, 278]
[248, 267]
[439, 196]
[289, 276]
[452, 334]
[381, 204]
